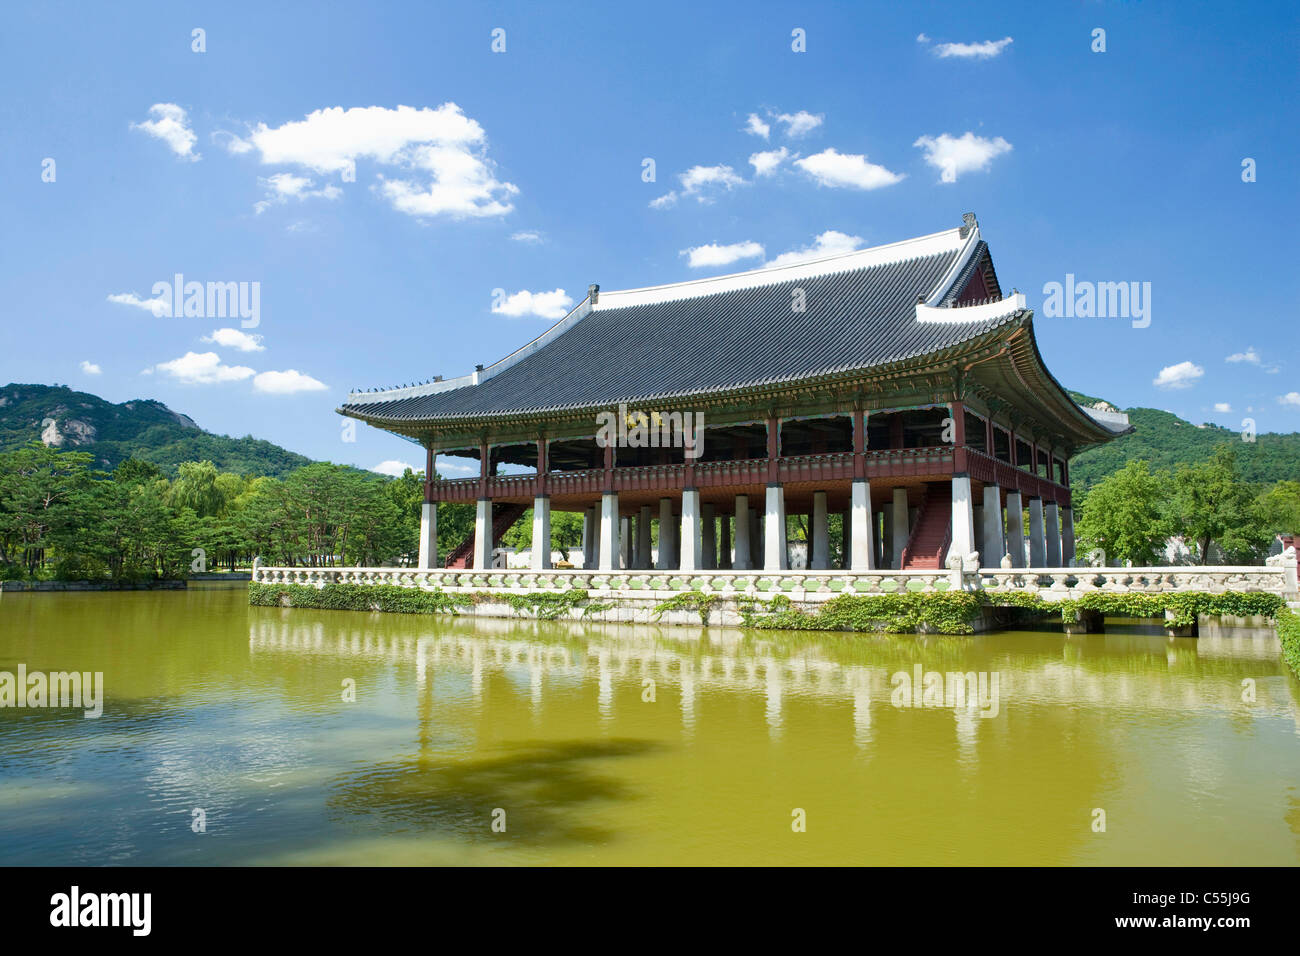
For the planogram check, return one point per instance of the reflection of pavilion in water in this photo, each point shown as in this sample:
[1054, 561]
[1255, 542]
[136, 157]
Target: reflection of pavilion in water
[1133, 672]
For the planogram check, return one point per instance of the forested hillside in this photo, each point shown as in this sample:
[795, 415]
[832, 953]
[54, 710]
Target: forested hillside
[143, 429]
[1166, 441]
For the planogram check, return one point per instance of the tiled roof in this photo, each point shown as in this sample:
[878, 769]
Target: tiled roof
[720, 334]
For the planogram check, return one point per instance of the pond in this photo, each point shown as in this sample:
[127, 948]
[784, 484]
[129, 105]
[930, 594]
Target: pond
[238, 735]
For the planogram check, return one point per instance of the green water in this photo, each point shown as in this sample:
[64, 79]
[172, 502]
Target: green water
[239, 711]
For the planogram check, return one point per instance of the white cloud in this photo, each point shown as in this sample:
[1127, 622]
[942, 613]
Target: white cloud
[90, 368]
[545, 305]
[282, 187]
[1222, 407]
[445, 467]
[716, 255]
[231, 143]
[702, 181]
[394, 467]
[1290, 398]
[526, 237]
[288, 382]
[757, 127]
[1182, 375]
[441, 155]
[766, 162]
[984, 50]
[170, 124]
[235, 339]
[922, 38]
[799, 124]
[832, 168]
[159, 306]
[1250, 356]
[665, 201]
[954, 155]
[829, 243]
[203, 368]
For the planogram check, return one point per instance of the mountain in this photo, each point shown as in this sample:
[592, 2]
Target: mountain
[1167, 441]
[142, 428]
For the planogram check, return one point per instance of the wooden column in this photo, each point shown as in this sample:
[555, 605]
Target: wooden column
[543, 464]
[859, 443]
[958, 411]
[484, 467]
[773, 449]
[429, 456]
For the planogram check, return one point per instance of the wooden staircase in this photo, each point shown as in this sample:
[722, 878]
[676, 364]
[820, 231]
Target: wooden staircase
[929, 540]
[503, 517]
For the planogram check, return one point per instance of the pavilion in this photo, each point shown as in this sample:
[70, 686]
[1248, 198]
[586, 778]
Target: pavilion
[896, 385]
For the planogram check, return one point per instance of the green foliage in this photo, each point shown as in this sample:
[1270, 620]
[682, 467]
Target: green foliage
[542, 606]
[358, 597]
[1124, 515]
[1185, 605]
[1211, 503]
[1288, 631]
[546, 606]
[59, 518]
[1167, 441]
[899, 613]
[696, 601]
[1279, 508]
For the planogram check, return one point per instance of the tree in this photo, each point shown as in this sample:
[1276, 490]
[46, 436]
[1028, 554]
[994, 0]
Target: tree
[196, 487]
[1123, 515]
[1212, 503]
[1279, 508]
[44, 497]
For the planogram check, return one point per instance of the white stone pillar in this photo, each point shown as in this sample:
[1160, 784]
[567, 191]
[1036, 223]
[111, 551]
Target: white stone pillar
[724, 542]
[775, 557]
[819, 544]
[666, 523]
[900, 528]
[428, 535]
[861, 544]
[483, 535]
[887, 538]
[609, 531]
[1053, 535]
[625, 542]
[708, 538]
[995, 543]
[595, 536]
[963, 516]
[540, 558]
[1067, 537]
[743, 560]
[1037, 540]
[690, 550]
[1016, 529]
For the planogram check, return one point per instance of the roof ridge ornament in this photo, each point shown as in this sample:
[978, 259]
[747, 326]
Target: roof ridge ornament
[968, 223]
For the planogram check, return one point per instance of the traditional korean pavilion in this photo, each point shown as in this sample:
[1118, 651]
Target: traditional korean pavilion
[897, 385]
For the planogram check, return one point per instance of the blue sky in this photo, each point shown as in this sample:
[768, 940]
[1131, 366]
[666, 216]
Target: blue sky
[279, 155]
